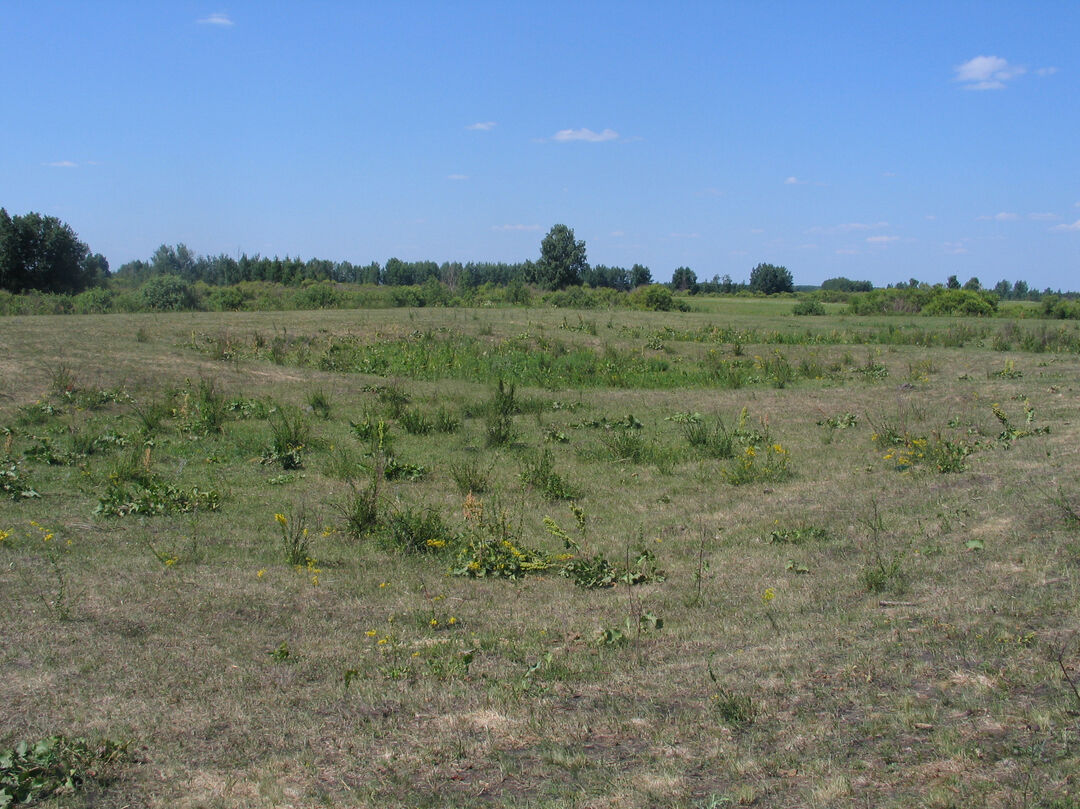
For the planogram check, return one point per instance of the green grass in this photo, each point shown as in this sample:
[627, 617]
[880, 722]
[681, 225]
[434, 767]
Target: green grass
[851, 630]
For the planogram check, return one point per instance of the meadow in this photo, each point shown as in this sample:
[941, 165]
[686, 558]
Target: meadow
[537, 557]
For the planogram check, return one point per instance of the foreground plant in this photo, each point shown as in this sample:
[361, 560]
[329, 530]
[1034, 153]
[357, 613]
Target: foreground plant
[30, 773]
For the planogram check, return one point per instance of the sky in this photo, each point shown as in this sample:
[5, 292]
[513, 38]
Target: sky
[877, 141]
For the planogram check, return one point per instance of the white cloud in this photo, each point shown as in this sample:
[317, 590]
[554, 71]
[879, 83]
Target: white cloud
[987, 73]
[1004, 216]
[618, 233]
[794, 181]
[515, 227]
[849, 227]
[482, 126]
[1046, 71]
[881, 239]
[685, 235]
[808, 247]
[954, 248]
[1043, 217]
[1064, 228]
[61, 164]
[218, 18]
[457, 176]
[587, 135]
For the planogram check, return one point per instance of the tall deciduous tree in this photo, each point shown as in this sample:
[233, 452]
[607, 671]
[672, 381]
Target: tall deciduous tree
[562, 259]
[42, 253]
[770, 279]
[684, 279]
[640, 276]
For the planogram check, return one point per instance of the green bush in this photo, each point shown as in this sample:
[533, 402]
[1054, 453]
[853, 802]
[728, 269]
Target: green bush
[167, 293]
[808, 307]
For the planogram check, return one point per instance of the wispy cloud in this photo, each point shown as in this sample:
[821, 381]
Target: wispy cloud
[618, 233]
[881, 239]
[794, 181]
[1043, 217]
[849, 227]
[685, 235]
[457, 176]
[61, 164]
[1075, 226]
[1004, 216]
[987, 73]
[219, 18]
[482, 126]
[1046, 71]
[954, 248]
[515, 227]
[586, 135]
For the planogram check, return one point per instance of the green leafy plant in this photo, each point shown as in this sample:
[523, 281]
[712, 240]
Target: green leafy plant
[470, 476]
[540, 474]
[360, 509]
[393, 398]
[490, 546]
[885, 574]
[281, 653]
[735, 710]
[798, 535]
[15, 484]
[32, 772]
[499, 424]
[295, 539]
[321, 403]
[290, 432]
[151, 496]
[756, 465]
[415, 421]
[414, 531]
[446, 421]
[712, 439]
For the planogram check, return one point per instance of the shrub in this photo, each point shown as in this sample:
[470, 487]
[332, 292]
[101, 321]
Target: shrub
[167, 293]
[808, 307]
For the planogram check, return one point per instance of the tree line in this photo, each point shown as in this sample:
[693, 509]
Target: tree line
[41, 253]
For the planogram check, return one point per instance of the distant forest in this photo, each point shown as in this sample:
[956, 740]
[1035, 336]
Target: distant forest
[42, 256]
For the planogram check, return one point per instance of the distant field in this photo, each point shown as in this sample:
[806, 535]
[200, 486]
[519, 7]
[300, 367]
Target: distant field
[546, 558]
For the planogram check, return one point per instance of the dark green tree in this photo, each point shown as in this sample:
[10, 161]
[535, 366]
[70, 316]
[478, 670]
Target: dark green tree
[769, 279]
[973, 284]
[42, 253]
[952, 282]
[684, 279]
[640, 276]
[562, 260]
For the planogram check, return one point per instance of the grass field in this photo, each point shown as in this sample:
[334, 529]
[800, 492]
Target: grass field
[705, 559]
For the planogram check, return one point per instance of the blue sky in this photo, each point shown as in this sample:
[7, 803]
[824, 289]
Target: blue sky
[878, 141]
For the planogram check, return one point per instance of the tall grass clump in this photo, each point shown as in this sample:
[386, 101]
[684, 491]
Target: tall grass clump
[499, 423]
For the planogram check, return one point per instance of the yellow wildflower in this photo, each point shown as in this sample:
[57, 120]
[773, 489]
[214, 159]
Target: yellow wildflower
[282, 520]
[768, 595]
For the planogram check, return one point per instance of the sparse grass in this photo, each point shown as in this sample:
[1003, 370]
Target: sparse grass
[924, 655]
